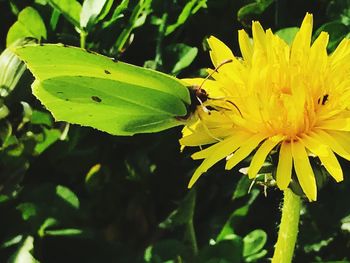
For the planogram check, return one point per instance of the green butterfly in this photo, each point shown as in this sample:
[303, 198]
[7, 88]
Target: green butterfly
[89, 89]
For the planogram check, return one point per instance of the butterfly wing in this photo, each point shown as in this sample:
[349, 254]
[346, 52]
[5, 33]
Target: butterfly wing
[89, 89]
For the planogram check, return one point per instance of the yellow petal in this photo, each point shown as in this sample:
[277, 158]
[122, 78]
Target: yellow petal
[215, 153]
[259, 36]
[302, 41]
[304, 171]
[332, 165]
[342, 138]
[335, 124]
[333, 143]
[219, 51]
[245, 45]
[202, 137]
[341, 51]
[246, 148]
[326, 156]
[318, 53]
[284, 167]
[260, 155]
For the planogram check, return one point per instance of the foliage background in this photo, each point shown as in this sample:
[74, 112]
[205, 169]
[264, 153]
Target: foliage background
[86, 196]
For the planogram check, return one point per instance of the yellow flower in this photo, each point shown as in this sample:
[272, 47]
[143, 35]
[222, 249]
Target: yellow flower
[293, 99]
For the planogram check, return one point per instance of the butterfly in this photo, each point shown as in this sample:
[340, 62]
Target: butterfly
[82, 87]
[86, 88]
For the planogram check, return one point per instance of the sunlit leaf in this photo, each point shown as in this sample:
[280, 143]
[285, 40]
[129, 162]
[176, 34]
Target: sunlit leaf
[11, 70]
[64, 232]
[94, 11]
[69, 8]
[42, 118]
[23, 254]
[67, 195]
[49, 136]
[287, 34]
[254, 242]
[28, 24]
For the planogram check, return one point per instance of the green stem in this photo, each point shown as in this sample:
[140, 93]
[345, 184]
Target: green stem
[287, 234]
[83, 35]
[192, 237]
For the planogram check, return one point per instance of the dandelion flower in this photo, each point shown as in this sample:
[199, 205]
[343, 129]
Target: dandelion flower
[290, 99]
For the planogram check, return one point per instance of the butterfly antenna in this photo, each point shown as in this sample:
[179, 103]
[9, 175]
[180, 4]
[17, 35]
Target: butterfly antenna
[215, 71]
[199, 89]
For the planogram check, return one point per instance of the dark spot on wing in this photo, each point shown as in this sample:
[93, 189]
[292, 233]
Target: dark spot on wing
[66, 99]
[107, 72]
[95, 98]
[59, 92]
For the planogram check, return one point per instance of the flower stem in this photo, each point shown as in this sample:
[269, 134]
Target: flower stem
[192, 237]
[288, 231]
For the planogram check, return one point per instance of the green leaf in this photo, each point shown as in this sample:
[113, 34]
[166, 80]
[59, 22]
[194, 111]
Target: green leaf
[49, 136]
[64, 232]
[69, 8]
[235, 217]
[23, 253]
[55, 16]
[180, 56]
[137, 19]
[117, 14]
[4, 111]
[13, 240]
[164, 250]
[287, 34]
[93, 11]
[48, 222]
[183, 214]
[254, 242]
[223, 251]
[242, 187]
[27, 115]
[250, 10]
[67, 195]
[190, 9]
[28, 210]
[337, 31]
[92, 90]
[28, 24]
[41, 118]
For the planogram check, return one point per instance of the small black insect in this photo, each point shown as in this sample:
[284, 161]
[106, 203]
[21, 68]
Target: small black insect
[95, 98]
[324, 99]
[107, 72]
